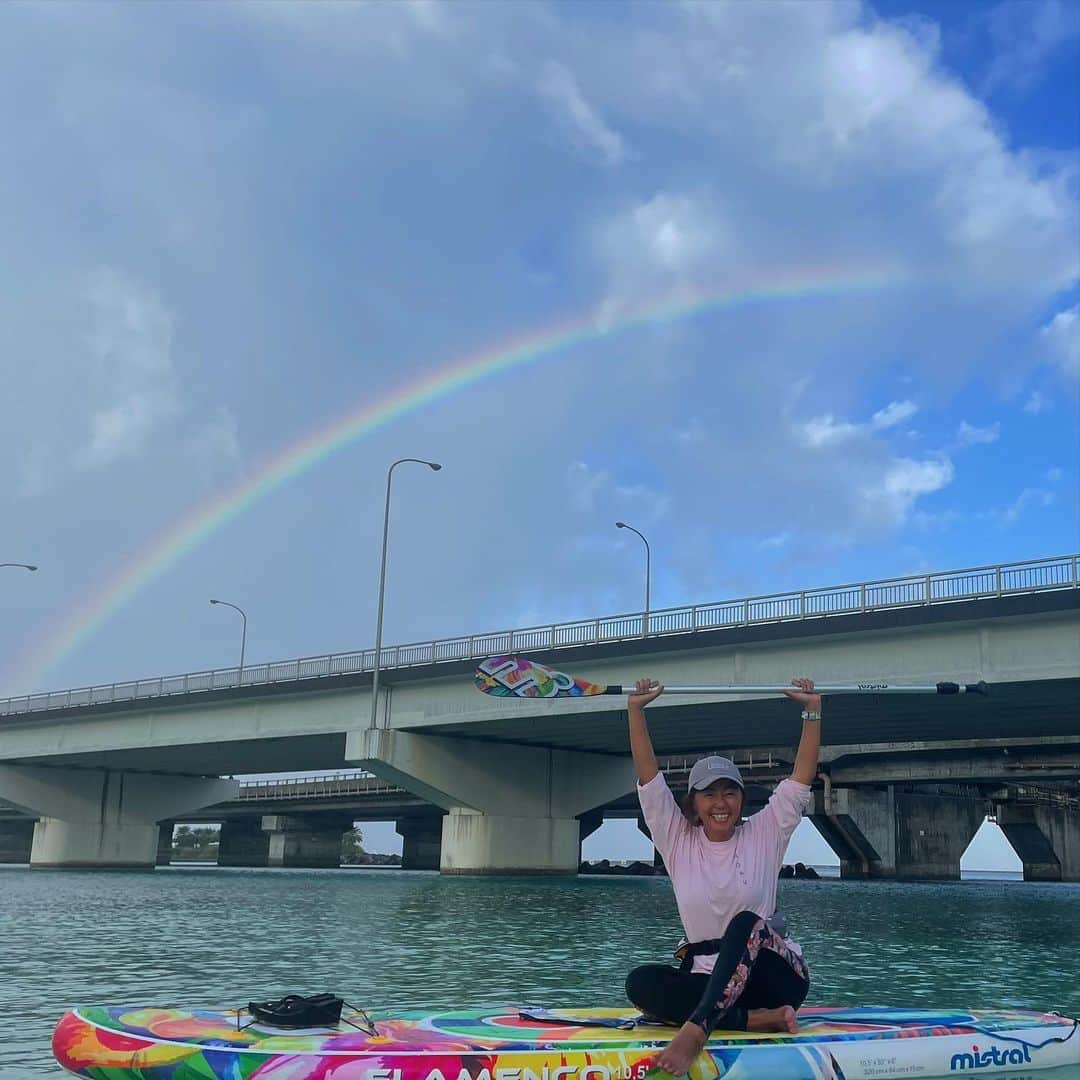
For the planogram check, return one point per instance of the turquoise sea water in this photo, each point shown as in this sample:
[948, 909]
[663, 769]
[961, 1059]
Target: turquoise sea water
[222, 937]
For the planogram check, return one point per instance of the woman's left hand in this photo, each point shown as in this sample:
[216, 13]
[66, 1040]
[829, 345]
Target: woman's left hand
[805, 695]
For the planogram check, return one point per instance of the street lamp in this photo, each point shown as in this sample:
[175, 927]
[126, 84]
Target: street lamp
[243, 635]
[435, 467]
[648, 572]
[23, 565]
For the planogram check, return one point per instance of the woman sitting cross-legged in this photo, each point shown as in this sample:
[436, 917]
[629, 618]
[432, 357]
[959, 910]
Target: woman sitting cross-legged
[741, 972]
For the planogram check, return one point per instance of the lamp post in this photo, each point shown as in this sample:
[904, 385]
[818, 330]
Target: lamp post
[435, 467]
[23, 565]
[243, 635]
[648, 572]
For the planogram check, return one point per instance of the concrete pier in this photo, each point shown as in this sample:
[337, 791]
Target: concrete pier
[511, 809]
[16, 838]
[588, 823]
[888, 832]
[164, 843]
[1045, 836]
[242, 842]
[103, 818]
[422, 842]
[311, 840]
[657, 858]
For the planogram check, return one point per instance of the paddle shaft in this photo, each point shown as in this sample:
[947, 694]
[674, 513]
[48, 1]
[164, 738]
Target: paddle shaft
[827, 688]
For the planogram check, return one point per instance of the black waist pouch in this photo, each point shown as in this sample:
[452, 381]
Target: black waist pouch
[295, 1011]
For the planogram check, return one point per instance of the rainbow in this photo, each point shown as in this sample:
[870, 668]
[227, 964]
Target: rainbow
[187, 532]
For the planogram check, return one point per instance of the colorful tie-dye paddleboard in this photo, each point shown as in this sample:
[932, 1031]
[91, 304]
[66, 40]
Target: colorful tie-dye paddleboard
[136, 1043]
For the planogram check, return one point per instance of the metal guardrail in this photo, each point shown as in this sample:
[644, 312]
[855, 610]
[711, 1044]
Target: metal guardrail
[747, 760]
[1065, 800]
[310, 787]
[982, 582]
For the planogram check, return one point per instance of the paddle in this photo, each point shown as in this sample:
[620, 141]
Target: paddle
[517, 676]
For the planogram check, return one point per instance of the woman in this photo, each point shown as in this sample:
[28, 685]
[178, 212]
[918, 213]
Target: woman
[740, 972]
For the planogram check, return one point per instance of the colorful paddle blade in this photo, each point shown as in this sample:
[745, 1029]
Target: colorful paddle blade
[514, 676]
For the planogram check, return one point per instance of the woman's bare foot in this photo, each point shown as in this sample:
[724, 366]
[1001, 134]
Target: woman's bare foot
[677, 1057]
[782, 1019]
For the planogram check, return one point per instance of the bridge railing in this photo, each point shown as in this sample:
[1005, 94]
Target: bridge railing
[324, 785]
[1065, 800]
[1039, 575]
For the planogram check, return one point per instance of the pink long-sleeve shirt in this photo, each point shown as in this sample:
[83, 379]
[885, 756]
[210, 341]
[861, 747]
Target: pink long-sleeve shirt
[715, 880]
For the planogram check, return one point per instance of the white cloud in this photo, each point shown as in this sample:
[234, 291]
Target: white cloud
[1028, 499]
[120, 430]
[906, 480]
[826, 430]
[132, 369]
[560, 87]
[657, 246]
[969, 435]
[896, 412]
[1062, 339]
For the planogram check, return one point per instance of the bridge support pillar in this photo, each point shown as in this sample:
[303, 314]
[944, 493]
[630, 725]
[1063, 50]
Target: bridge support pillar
[890, 833]
[588, 823]
[1045, 837]
[242, 842]
[422, 842]
[477, 843]
[16, 837]
[312, 841]
[164, 843]
[657, 859]
[101, 818]
[511, 809]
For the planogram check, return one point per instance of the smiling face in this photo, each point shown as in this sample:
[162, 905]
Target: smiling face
[719, 809]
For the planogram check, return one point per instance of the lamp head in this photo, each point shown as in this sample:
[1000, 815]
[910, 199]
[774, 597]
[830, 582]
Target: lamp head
[215, 601]
[31, 567]
[435, 466]
[620, 524]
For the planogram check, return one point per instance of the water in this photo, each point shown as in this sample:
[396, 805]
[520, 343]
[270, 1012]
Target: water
[220, 937]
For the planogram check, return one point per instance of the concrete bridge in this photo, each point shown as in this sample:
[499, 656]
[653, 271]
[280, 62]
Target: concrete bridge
[299, 822]
[101, 766]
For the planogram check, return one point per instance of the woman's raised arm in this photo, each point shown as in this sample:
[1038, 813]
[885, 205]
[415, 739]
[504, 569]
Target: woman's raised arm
[645, 690]
[806, 758]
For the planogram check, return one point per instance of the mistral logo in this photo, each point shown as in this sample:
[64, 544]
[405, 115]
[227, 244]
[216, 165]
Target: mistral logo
[995, 1055]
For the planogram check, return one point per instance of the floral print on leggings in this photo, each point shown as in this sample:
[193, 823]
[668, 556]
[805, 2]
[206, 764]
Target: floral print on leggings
[761, 937]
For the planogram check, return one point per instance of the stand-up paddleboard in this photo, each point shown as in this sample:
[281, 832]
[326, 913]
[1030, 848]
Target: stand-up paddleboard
[129, 1043]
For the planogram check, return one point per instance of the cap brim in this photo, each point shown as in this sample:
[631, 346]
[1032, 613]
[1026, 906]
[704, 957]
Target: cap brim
[701, 785]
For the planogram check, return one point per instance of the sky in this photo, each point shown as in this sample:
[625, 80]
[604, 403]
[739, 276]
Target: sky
[791, 288]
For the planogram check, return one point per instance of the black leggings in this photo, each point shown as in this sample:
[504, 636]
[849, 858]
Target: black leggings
[754, 969]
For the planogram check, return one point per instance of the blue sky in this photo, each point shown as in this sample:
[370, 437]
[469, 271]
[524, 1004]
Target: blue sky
[226, 224]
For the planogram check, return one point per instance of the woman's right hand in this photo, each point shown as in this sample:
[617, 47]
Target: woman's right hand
[645, 690]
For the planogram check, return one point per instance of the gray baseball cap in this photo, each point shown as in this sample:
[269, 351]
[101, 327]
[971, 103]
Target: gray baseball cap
[710, 769]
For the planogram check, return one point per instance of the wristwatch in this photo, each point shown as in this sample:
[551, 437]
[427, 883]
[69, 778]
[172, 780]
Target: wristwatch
[808, 715]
